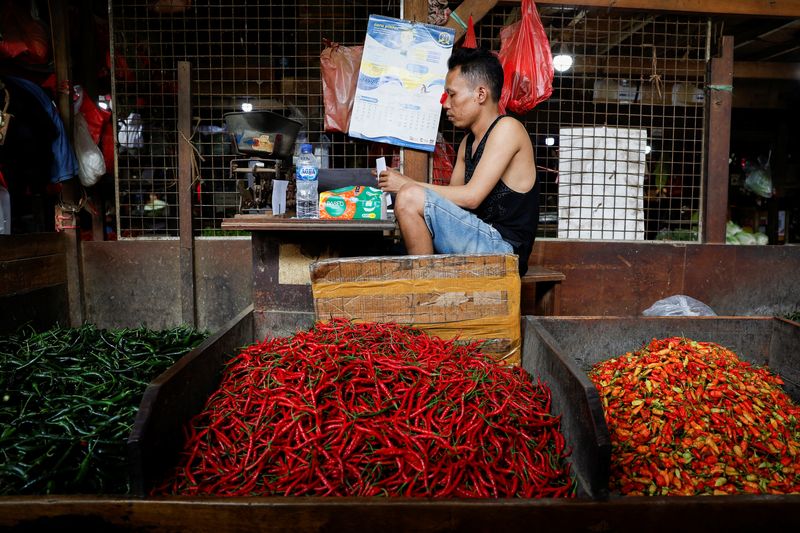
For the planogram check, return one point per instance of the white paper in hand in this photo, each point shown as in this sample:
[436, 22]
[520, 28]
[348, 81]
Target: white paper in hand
[380, 166]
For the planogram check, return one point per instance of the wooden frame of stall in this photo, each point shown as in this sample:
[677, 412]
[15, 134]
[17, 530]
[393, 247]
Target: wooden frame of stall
[55, 278]
[210, 291]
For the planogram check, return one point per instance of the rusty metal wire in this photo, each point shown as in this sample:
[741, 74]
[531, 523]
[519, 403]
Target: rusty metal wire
[633, 72]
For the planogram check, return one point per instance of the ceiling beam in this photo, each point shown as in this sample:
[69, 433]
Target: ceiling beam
[760, 32]
[683, 68]
[770, 8]
[766, 71]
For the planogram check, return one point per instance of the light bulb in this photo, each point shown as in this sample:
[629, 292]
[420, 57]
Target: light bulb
[647, 149]
[549, 141]
[562, 62]
[247, 107]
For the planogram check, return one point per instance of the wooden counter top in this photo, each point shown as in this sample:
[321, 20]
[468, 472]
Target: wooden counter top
[270, 223]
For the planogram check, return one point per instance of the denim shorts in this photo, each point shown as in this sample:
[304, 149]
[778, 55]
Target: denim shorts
[458, 231]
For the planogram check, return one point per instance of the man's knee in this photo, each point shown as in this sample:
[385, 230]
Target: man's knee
[410, 200]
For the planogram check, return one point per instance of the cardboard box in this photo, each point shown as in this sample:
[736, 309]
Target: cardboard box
[470, 297]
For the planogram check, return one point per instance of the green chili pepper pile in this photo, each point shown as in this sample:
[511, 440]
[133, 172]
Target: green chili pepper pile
[691, 418]
[373, 409]
[68, 399]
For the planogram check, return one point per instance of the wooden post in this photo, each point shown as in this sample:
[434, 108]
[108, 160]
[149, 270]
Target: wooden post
[71, 191]
[185, 157]
[415, 162]
[719, 137]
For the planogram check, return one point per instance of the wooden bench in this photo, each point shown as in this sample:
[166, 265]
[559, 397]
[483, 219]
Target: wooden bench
[539, 293]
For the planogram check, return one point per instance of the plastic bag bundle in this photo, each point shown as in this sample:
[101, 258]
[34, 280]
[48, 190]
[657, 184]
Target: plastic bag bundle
[340, 65]
[527, 62]
[679, 305]
[91, 165]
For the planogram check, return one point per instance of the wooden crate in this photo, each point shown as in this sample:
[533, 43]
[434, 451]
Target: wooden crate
[472, 297]
[561, 351]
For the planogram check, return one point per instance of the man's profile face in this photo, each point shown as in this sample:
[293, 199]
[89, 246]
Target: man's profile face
[461, 104]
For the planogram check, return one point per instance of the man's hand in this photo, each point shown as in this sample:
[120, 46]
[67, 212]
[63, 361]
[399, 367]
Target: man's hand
[391, 180]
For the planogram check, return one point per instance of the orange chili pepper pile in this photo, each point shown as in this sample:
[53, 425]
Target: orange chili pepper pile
[373, 409]
[690, 418]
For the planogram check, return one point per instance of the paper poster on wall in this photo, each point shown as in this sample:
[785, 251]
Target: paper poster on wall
[400, 83]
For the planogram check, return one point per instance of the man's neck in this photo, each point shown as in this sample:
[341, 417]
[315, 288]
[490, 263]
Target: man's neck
[480, 126]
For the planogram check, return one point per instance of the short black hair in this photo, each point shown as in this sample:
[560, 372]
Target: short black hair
[479, 65]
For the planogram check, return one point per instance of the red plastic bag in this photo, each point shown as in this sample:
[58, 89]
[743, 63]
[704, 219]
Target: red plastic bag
[527, 62]
[443, 156]
[340, 65]
[22, 36]
[96, 118]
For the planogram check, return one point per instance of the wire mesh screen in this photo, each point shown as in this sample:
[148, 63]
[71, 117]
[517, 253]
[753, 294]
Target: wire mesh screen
[619, 145]
[243, 55]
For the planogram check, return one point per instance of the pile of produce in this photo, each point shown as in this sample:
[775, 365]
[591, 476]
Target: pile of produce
[690, 418]
[372, 409]
[69, 399]
[735, 234]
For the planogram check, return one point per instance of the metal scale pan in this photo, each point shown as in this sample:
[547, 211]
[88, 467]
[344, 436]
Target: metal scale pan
[267, 139]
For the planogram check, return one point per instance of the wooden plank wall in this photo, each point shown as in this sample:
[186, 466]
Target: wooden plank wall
[33, 281]
[624, 278]
[137, 282]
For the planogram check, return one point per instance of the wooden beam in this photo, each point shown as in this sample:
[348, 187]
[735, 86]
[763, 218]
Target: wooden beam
[768, 8]
[415, 162]
[71, 190]
[715, 213]
[631, 66]
[476, 8]
[185, 176]
[763, 70]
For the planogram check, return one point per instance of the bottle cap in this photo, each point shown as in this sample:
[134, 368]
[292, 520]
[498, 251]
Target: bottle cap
[305, 148]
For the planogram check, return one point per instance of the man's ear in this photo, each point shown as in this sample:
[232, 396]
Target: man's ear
[483, 94]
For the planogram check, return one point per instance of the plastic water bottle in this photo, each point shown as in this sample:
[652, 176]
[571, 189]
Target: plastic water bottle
[307, 171]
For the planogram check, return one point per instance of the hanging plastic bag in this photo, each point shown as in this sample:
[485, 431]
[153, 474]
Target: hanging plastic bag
[91, 165]
[23, 36]
[469, 38]
[443, 156]
[758, 178]
[679, 305]
[527, 62]
[130, 132]
[340, 65]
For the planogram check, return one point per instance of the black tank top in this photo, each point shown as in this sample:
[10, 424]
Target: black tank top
[513, 214]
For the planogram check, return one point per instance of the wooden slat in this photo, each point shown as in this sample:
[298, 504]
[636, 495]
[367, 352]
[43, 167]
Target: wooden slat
[268, 223]
[185, 175]
[415, 162]
[719, 137]
[25, 275]
[72, 190]
[765, 70]
[214, 515]
[30, 245]
[771, 8]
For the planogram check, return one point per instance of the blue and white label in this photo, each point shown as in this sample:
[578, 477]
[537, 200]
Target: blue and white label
[307, 173]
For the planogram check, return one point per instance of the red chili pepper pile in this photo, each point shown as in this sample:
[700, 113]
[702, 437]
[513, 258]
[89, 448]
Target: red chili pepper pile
[690, 418]
[373, 409]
